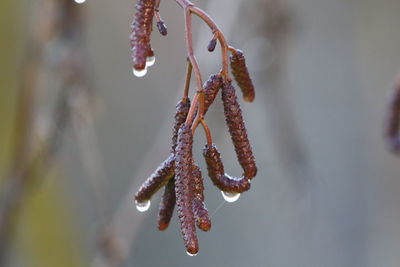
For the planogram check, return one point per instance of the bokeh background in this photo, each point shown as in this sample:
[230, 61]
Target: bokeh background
[327, 192]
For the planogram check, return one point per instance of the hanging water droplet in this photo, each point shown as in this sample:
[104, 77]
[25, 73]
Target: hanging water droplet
[143, 206]
[190, 254]
[139, 73]
[150, 61]
[80, 1]
[230, 197]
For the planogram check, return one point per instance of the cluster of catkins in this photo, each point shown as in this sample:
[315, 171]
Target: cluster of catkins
[180, 176]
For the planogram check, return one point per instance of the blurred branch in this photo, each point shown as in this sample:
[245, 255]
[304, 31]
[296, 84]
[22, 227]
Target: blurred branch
[61, 23]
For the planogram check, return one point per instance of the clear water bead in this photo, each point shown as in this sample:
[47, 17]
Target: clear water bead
[143, 206]
[80, 1]
[139, 73]
[190, 254]
[150, 61]
[230, 197]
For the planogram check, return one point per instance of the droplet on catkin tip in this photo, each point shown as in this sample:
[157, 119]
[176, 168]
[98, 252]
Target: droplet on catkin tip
[230, 197]
[150, 61]
[143, 206]
[80, 1]
[190, 254]
[139, 73]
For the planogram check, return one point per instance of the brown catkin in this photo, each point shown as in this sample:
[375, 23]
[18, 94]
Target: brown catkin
[211, 88]
[183, 188]
[157, 180]
[200, 211]
[181, 112]
[242, 76]
[167, 205]
[237, 130]
[217, 173]
[141, 30]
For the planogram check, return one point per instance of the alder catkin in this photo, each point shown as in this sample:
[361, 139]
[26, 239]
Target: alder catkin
[183, 188]
[203, 220]
[167, 205]
[157, 180]
[242, 76]
[181, 112]
[141, 31]
[237, 130]
[217, 173]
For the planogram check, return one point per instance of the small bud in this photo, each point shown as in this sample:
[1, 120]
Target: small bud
[212, 44]
[162, 28]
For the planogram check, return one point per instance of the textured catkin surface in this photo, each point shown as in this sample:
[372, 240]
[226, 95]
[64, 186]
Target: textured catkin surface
[242, 76]
[183, 188]
[182, 110]
[141, 31]
[157, 180]
[200, 211]
[237, 130]
[167, 205]
[217, 173]
[211, 89]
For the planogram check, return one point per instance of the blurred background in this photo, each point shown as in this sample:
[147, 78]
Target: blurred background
[79, 133]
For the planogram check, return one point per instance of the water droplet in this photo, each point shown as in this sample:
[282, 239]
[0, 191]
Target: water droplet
[150, 61]
[80, 1]
[139, 73]
[230, 197]
[190, 254]
[143, 206]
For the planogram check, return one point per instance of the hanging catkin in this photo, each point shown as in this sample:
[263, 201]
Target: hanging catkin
[242, 76]
[141, 31]
[237, 130]
[183, 186]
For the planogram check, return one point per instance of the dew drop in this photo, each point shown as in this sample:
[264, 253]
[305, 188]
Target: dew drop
[150, 61]
[143, 206]
[80, 1]
[190, 254]
[140, 73]
[230, 197]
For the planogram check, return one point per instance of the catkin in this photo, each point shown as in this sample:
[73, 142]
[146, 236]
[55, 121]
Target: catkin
[217, 173]
[141, 31]
[242, 76]
[181, 112]
[183, 188]
[200, 211]
[237, 130]
[167, 205]
[157, 180]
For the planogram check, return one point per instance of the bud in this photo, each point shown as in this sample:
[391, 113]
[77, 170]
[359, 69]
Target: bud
[212, 44]
[162, 28]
